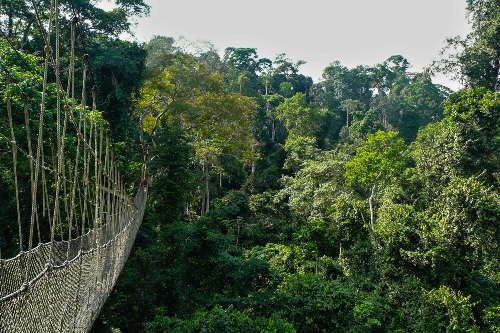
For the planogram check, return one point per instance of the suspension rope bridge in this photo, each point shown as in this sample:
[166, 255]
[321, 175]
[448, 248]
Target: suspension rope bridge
[76, 220]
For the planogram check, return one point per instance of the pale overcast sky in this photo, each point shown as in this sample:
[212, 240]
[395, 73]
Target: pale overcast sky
[355, 32]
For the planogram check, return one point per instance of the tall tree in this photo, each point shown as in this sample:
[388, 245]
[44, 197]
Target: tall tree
[218, 122]
[380, 160]
[302, 122]
[475, 59]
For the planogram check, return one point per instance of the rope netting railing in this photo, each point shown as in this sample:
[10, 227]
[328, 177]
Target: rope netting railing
[69, 281]
[69, 214]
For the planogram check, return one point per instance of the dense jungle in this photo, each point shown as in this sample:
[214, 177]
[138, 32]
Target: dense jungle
[368, 201]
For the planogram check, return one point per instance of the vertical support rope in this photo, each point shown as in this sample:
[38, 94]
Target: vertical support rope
[108, 185]
[48, 53]
[45, 193]
[83, 119]
[58, 162]
[46, 35]
[113, 187]
[72, 109]
[97, 224]
[100, 175]
[30, 157]
[63, 164]
[14, 157]
[93, 151]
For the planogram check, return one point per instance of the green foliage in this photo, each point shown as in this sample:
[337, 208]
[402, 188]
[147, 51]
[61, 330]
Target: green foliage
[300, 119]
[380, 159]
[220, 320]
[313, 304]
[474, 59]
[120, 65]
[299, 149]
[363, 314]
[492, 318]
[448, 311]
[291, 243]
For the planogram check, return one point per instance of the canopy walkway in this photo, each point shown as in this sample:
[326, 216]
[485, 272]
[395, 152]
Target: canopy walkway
[76, 219]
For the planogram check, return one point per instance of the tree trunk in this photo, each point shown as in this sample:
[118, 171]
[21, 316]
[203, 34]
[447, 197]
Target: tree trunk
[370, 202]
[207, 187]
[27, 30]
[384, 117]
[273, 132]
[238, 233]
[10, 27]
[205, 193]
[207, 206]
[372, 210]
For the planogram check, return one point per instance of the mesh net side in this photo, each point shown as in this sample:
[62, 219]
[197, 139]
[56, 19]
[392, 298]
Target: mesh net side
[68, 297]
